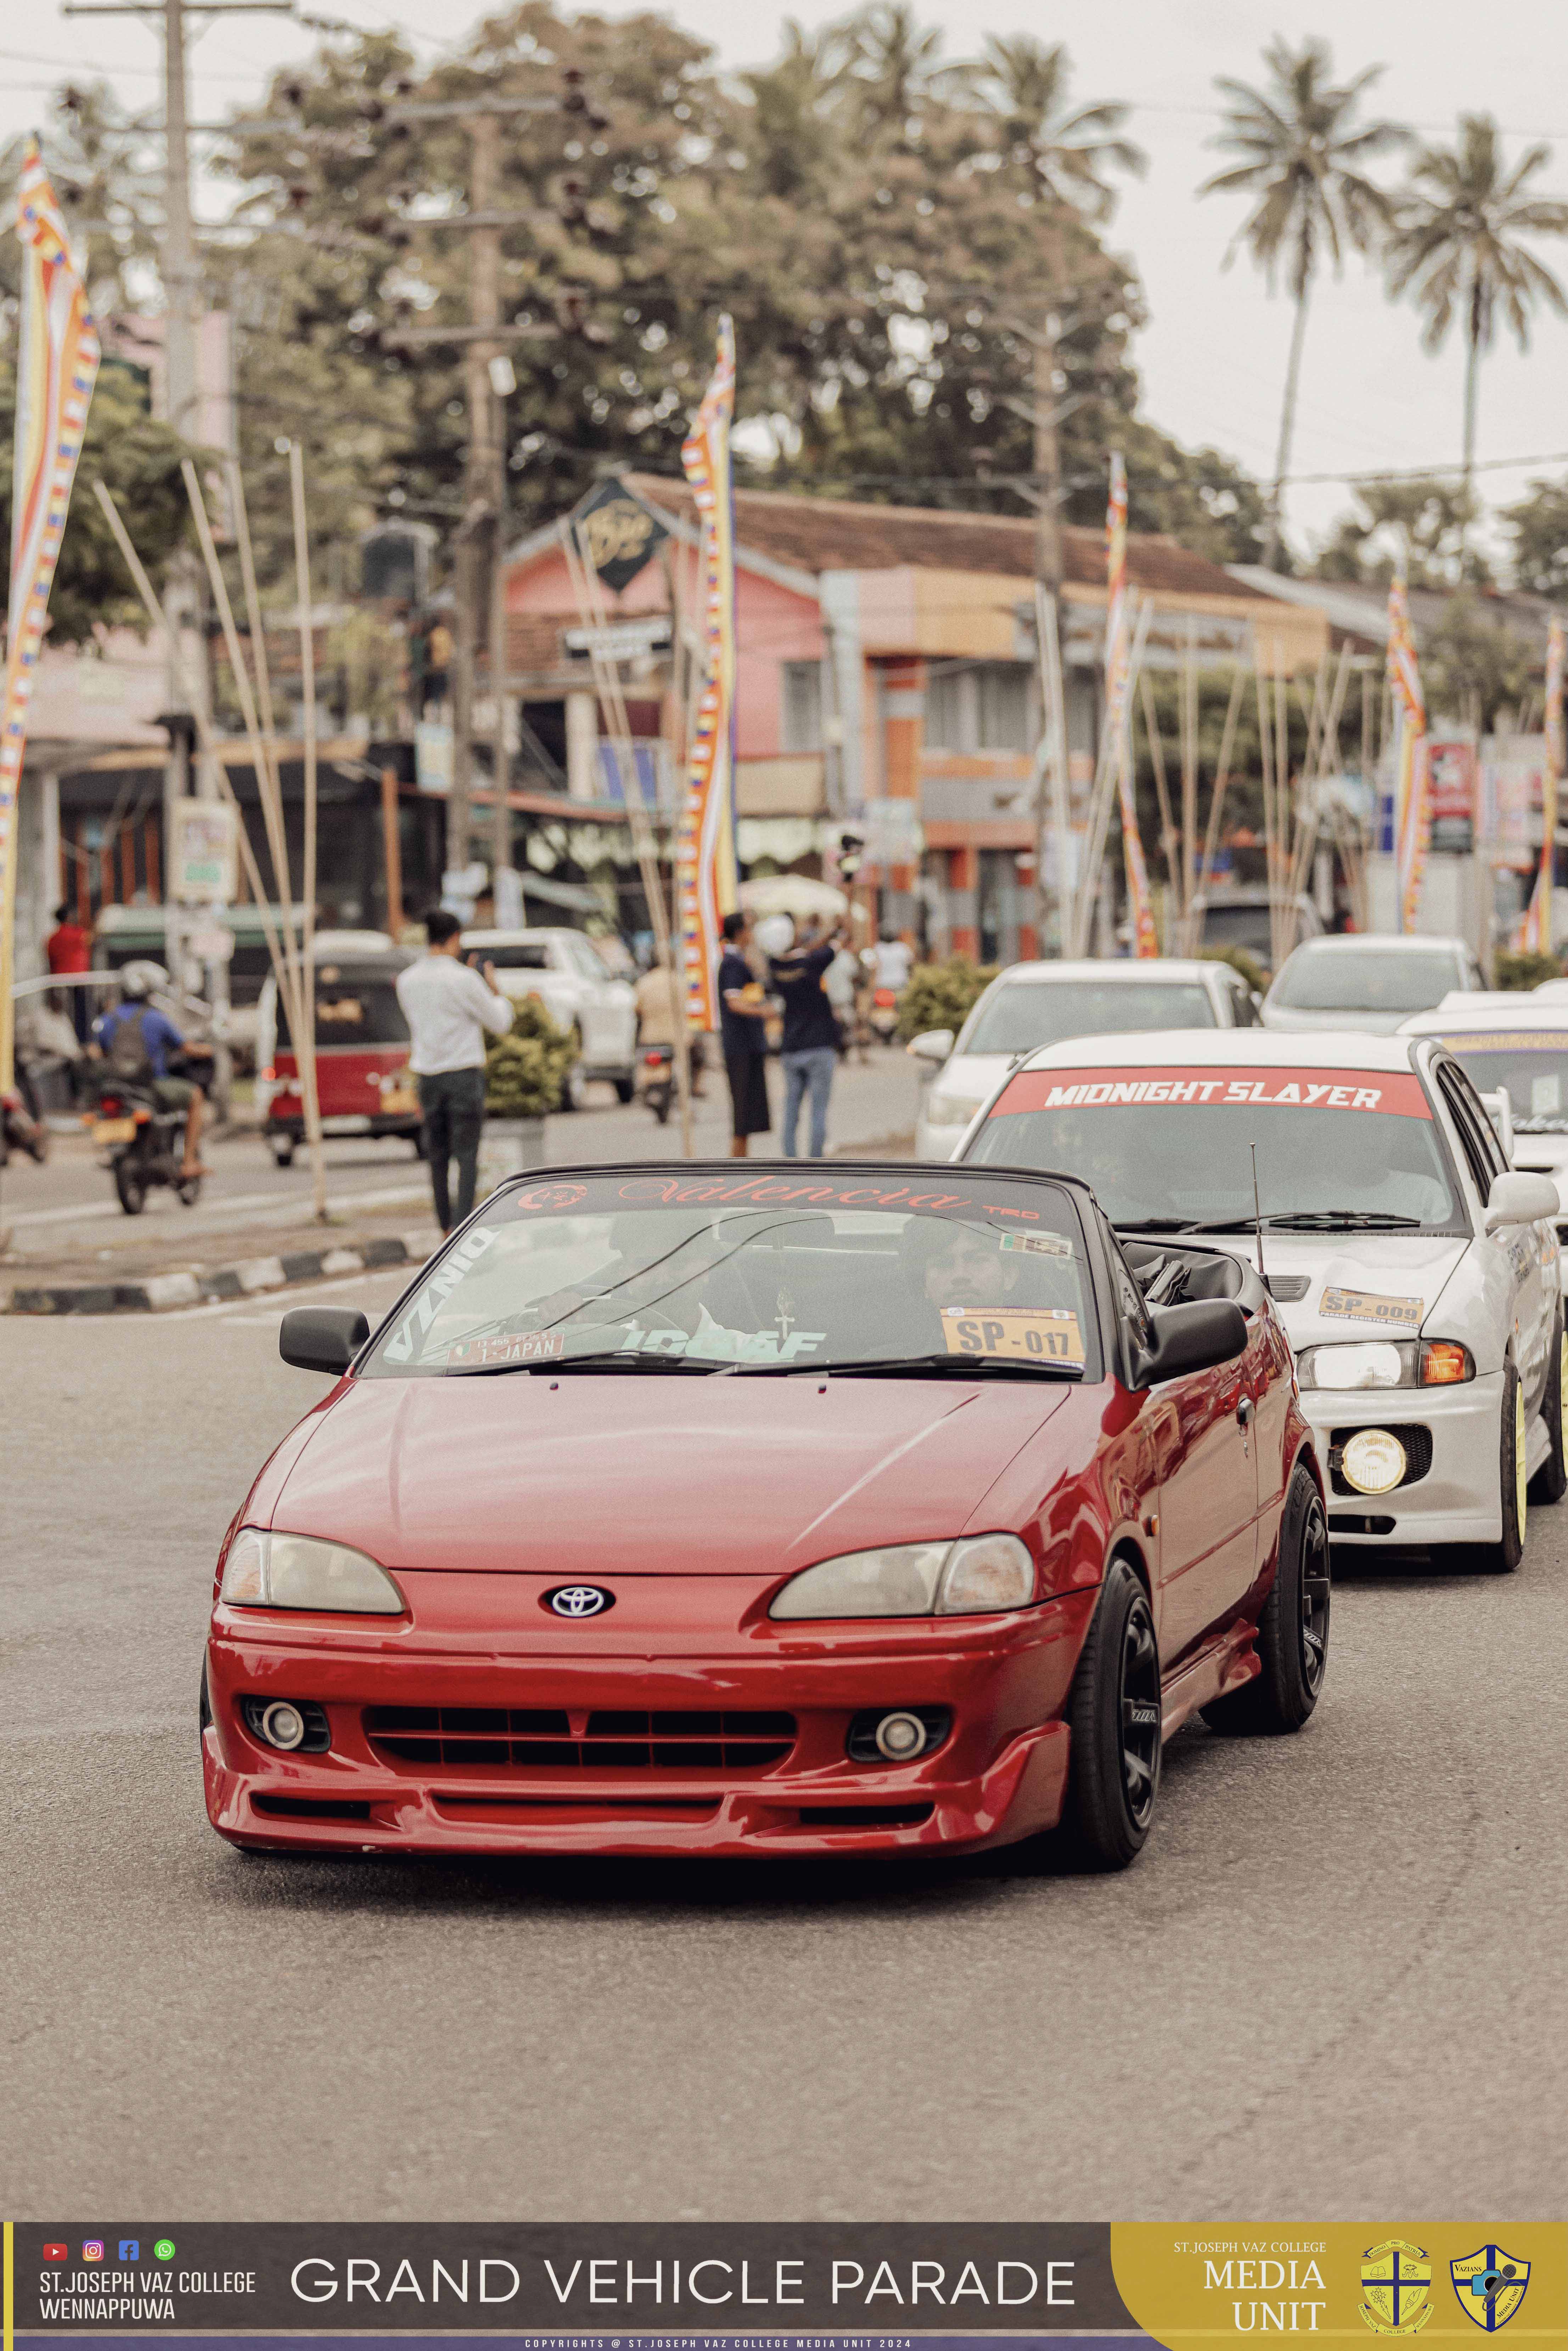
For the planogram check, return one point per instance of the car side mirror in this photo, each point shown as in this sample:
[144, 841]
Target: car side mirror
[1192, 1338]
[322, 1338]
[932, 1045]
[1518, 1197]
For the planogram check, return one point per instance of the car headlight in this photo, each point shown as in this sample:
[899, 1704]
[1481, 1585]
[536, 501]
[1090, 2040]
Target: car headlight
[968, 1578]
[279, 1571]
[1374, 1460]
[1385, 1364]
[952, 1110]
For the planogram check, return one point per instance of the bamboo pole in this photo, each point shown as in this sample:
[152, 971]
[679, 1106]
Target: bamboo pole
[1217, 800]
[1189, 701]
[1107, 778]
[1051, 779]
[307, 682]
[1168, 849]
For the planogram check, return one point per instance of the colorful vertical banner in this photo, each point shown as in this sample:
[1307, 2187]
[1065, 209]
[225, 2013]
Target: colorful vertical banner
[1119, 709]
[705, 866]
[1412, 798]
[56, 364]
[1534, 935]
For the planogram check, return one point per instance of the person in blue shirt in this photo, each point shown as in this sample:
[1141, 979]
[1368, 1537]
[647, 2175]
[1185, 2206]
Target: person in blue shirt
[158, 1038]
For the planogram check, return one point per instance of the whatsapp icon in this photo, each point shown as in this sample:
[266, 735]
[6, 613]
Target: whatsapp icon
[164, 2250]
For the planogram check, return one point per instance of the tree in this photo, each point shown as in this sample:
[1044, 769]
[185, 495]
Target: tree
[1458, 248]
[1416, 527]
[1475, 666]
[1303, 154]
[1538, 526]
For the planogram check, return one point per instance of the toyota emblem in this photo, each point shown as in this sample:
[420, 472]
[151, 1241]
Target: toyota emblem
[579, 1600]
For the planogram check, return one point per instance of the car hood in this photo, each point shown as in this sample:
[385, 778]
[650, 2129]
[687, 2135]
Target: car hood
[971, 1075]
[651, 1474]
[1342, 1021]
[1369, 1266]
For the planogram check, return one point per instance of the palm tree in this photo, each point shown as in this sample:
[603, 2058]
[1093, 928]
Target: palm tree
[1458, 247]
[1067, 152]
[894, 62]
[1302, 157]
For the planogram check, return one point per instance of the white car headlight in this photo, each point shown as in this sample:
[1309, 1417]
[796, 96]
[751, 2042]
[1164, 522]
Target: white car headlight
[280, 1570]
[980, 1573]
[952, 1110]
[1360, 1363]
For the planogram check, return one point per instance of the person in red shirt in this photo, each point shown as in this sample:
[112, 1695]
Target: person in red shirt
[68, 948]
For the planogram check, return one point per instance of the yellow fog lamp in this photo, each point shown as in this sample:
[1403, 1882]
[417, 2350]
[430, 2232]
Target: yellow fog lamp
[1374, 1460]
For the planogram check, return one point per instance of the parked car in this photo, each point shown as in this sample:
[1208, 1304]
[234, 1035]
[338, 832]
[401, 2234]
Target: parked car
[1416, 1272]
[1034, 1003]
[1515, 1046]
[564, 970]
[362, 1052]
[1366, 982]
[1240, 918]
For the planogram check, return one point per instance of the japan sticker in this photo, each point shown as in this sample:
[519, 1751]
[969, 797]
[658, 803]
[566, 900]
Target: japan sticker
[506, 1347]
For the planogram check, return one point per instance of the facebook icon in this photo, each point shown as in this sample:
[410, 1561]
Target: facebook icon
[131, 2248]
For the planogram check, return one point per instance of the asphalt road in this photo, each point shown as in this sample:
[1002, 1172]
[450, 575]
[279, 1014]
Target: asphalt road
[1332, 1986]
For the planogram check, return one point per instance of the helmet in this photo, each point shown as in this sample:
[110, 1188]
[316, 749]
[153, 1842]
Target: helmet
[139, 980]
[775, 937]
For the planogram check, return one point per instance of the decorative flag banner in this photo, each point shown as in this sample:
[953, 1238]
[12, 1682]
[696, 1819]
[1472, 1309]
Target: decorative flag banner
[704, 864]
[1412, 798]
[57, 365]
[1534, 935]
[1119, 708]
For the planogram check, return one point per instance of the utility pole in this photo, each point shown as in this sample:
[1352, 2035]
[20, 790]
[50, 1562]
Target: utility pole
[183, 595]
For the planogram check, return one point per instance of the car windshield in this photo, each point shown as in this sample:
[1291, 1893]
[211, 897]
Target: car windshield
[1024, 1015]
[1341, 979]
[1530, 1067]
[355, 1013]
[1166, 1148]
[522, 955]
[713, 1272]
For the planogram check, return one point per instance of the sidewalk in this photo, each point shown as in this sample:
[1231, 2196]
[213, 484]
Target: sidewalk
[86, 1258]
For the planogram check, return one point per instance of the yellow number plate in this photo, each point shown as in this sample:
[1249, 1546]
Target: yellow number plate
[1035, 1334]
[400, 1100]
[114, 1130]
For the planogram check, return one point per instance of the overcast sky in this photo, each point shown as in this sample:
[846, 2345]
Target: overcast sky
[1212, 355]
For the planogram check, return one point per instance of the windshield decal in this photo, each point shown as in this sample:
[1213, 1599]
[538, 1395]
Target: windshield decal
[1507, 1040]
[1036, 1334]
[400, 1347]
[1370, 1306]
[1259, 1087]
[506, 1347]
[1037, 1244]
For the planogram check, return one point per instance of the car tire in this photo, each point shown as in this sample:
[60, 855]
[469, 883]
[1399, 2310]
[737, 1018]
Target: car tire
[1550, 1482]
[1114, 1770]
[1501, 1558]
[626, 1087]
[283, 1155]
[1292, 1631]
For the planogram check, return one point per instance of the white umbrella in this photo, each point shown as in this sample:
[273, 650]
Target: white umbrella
[795, 895]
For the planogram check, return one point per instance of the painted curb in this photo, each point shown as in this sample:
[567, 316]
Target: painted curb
[162, 1293]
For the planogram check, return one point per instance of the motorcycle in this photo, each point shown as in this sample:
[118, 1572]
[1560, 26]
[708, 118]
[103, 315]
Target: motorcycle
[21, 1128]
[655, 1079]
[885, 1013]
[143, 1144]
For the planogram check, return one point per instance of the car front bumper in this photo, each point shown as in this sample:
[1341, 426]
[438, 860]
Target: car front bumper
[1456, 1499]
[999, 1775]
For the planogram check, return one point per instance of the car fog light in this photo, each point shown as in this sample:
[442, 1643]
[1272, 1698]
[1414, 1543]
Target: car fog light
[282, 1725]
[900, 1736]
[1374, 1460]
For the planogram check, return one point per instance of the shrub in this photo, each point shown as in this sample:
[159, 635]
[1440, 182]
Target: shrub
[1522, 972]
[526, 1069]
[941, 995]
[1252, 971]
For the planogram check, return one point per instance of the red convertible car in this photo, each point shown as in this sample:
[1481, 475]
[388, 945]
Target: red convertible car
[724, 1510]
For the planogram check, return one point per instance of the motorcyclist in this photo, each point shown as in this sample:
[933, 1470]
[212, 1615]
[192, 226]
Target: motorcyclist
[135, 1022]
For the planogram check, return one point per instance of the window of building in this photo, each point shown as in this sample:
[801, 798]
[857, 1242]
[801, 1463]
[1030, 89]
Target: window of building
[802, 713]
[979, 706]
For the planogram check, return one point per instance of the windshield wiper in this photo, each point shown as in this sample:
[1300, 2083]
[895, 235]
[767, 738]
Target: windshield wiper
[614, 1359]
[1308, 1220]
[1162, 1224]
[891, 1365]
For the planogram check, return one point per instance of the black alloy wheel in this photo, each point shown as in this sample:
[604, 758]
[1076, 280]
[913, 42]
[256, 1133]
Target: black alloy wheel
[130, 1186]
[1292, 1631]
[1115, 1716]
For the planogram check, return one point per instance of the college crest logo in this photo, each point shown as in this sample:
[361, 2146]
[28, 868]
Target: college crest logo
[1396, 2287]
[1490, 2285]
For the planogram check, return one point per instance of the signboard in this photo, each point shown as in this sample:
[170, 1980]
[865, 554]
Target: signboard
[619, 534]
[203, 852]
[892, 831]
[1511, 772]
[622, 640]
[1452, 768]
[432, 757]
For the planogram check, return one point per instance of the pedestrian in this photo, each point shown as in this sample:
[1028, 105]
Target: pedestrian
[68, 948]
[742, 1013]
[841, 984]
[893, 959]
[811, 1046]
[448, 1008]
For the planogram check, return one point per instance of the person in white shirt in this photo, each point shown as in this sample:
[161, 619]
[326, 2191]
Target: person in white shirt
[448, 1008]
[891, 961]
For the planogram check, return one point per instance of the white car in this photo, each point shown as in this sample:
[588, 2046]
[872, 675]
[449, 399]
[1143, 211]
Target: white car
[1417, 1274]
[565, 971]
[1515, 1046]
[1366, 981]
[1034, 1003]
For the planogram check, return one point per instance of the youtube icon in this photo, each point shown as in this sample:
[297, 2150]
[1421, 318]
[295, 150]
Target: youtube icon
[57, 2252]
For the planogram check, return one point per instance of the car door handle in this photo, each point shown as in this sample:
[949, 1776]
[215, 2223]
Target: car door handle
[1244, 1412]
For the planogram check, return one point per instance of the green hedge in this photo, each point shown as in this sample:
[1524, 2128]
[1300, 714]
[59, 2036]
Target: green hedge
[1522, 972]
[526, 1069]
[941, 995]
